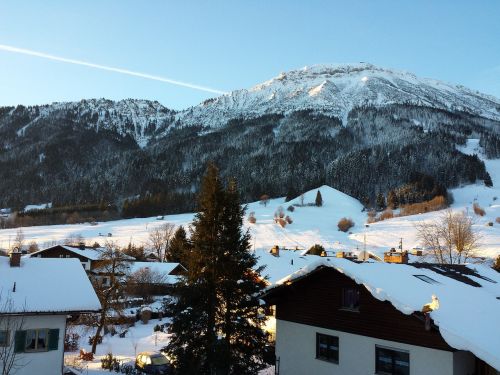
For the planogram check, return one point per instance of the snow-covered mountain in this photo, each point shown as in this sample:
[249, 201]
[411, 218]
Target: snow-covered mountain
[334, 90]
[327, 124]
[140, 119]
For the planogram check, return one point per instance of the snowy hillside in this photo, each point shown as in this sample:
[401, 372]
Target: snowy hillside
[311, 225]
[335, 90]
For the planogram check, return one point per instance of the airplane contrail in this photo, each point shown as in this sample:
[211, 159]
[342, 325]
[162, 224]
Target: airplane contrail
[47, 56]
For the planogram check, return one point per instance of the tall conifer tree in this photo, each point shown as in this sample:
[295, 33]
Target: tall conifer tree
[216, 321]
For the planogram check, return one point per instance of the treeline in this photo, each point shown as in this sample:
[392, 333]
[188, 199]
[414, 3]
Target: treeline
[73, 214]
[421, 188]
[379, 150]
[158, 204]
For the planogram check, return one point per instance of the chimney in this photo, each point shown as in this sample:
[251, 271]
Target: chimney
[394, 256]
[15, 258]
[275, 250]
[81, 245]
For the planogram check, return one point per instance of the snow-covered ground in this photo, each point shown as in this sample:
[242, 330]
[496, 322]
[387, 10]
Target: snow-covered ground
[310, 225]
[139, 338]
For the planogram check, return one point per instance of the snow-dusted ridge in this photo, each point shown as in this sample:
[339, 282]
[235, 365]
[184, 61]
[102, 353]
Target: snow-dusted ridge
[140, 119]
[335, 90]
[328, 89]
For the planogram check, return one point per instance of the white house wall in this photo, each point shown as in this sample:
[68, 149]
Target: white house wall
[43, 363]
[296, 349]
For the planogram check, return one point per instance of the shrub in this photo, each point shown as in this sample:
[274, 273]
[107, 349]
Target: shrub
[264, 200]
[436, 203]
[345, 224]
[478, 210]
[290, 208]
[288, 219]
[496, 265]
[110, 363]
[251, 218]
[387, 214]
[279, 213]
[316, 249]
[490, 223]
[71, 341]
[281, 222]
[497, 220]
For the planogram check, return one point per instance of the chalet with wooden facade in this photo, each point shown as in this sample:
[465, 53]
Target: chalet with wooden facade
[89, 257]
[338, 316]
[36, 296]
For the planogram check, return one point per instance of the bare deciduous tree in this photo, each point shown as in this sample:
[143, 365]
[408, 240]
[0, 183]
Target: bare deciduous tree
[9, 324]
[159, 239]
[19, 240]
[264, 199]
[143, 282]
[451, 239]
[111, 267]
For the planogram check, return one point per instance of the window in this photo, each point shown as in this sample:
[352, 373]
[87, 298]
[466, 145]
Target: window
[4, 338]
[391, 362]
[327, 348]
[36, 340]
[350, 299]
[427, 279]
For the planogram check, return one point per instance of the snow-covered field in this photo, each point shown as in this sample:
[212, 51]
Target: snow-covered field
[310, 225]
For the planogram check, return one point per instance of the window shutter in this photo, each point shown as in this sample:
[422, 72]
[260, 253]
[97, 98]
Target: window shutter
[20, 341]
[53, 339]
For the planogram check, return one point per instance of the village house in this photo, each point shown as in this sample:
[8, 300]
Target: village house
[340, 316]
[153, 278]
[89, 257]
[36, 297]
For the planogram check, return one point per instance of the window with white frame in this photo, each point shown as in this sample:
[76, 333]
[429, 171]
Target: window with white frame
[36, 340]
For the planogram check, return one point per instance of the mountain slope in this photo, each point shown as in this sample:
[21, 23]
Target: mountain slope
[361, 129]
[334, 90]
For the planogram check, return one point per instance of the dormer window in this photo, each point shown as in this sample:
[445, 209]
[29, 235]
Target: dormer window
[350, 299]
[427, 279]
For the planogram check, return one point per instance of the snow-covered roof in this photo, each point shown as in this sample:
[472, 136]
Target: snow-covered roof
[467, 316]
[287, 262]
[88, 252]
[46, 285]
[161, 267]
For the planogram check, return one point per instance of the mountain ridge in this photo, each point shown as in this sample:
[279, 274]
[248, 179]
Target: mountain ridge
[327, 89]
[338, 125]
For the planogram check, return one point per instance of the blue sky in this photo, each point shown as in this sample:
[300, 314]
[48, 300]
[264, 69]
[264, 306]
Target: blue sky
[228, 45]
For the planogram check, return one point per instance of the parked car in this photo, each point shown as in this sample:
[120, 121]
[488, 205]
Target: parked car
[153, 363]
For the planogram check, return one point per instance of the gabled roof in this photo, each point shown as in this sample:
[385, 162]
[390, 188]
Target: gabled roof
[89, 252]
[468, 315]
[45, 285]
[162, 267]
[278, 267]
